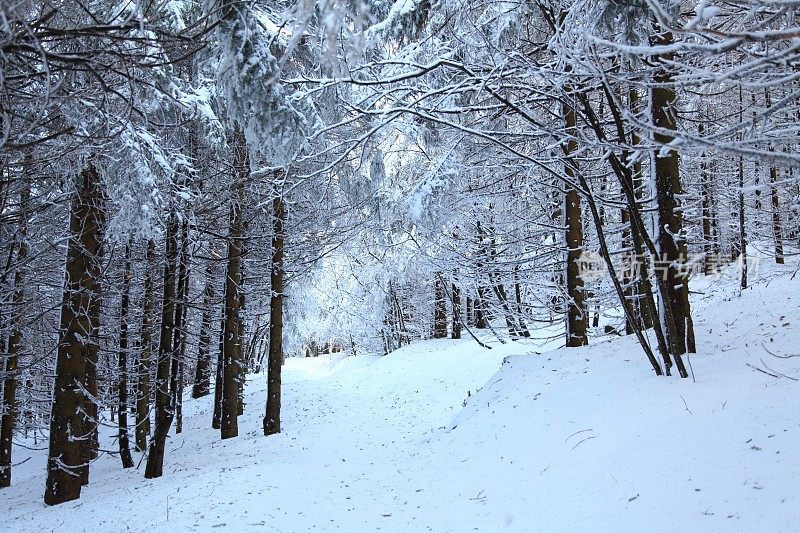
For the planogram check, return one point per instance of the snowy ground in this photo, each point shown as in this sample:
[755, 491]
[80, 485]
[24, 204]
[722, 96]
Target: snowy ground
[444, 435]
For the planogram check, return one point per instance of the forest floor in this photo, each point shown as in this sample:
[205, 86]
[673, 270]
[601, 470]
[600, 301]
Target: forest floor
[448, 436]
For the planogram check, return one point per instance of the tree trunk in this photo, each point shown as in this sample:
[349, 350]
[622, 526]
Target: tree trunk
[523, 327]
[481, 314]
[709, 261]
[15, 339]
[456, 301]
[124, 444]
[164, 409]
[777, 228]
[179, 335]
[272, 418]
[576, 319]
[232, 365]
[90, 405]
[216, 419]
[742, 229]
[202, 377]
[143, 363]
[243, 355]
[672, 244]
[68, 435]
[635, 276]
[231, 351]
[439, 308]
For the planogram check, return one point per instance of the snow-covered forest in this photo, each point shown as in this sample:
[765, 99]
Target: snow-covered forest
[406, 265]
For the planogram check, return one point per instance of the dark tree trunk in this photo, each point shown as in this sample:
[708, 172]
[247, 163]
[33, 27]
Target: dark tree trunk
[124, 444]
[163, 408]
[576, 319]
[90, 406]
[481, 313]
[232, 365]
[709, 261]
[456, 301]
[202, 377]
[635, 275]
[66, 456]
[216, 419]
[143, 363]
[15, 339]
[179, 335]
[777, 228]
[439, 308]
[742, 244]
[231, 350]
[523, 328]
[500, 291]
[672, 244]
[243, 354]
[272, 418]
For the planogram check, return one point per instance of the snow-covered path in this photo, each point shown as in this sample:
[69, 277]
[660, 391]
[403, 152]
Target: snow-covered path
[351, 431]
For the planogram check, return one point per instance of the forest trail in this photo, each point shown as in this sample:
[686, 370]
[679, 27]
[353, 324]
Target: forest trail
[448, 436]
[352, 428]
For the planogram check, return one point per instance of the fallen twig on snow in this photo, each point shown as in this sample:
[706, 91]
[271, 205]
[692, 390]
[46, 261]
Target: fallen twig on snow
[581, 441]
[774, 375]
[788, 356]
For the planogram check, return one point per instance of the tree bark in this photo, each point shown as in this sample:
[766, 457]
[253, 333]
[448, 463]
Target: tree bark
[456, 301]
[709, 261]
[439, 308]
[216, 419]
[124, 444]
[232, 365]
[66, 456]
[777, 228]
[90, 406]
[14, 341]
[179, 335]
[576, 319]
[272, 418]
[202, 377]
[143, 363]
[163, 408]
[672, 244]
[742, 244]
[231, 350]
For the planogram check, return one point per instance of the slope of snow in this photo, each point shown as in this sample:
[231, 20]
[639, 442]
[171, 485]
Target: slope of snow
[446, 436]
